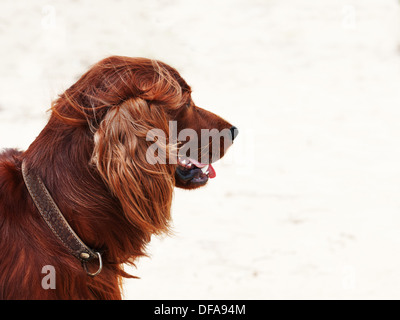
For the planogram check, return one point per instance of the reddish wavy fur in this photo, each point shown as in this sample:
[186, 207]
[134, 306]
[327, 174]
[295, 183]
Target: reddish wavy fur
[91, 156]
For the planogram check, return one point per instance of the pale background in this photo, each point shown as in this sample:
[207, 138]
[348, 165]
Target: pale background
[306, 204]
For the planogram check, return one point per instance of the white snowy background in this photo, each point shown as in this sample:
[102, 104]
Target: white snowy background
[307, 202]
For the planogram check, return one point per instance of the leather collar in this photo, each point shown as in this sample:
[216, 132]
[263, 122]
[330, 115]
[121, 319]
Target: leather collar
[56, 221]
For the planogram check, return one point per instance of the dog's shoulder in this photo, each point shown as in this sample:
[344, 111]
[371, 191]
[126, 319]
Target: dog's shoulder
[10, 173]
[10, 164]
[9, 155]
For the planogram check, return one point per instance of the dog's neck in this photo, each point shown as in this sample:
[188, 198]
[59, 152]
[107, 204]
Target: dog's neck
[83, 198]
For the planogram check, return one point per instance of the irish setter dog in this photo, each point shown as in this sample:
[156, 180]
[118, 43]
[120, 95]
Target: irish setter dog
[93, 157]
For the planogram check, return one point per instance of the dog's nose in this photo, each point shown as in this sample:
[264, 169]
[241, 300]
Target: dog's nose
[234, 132]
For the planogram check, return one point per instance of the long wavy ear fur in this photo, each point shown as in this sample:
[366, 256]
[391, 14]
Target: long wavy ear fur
[144, 190]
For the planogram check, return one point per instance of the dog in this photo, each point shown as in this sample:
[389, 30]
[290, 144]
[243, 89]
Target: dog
[87, 195]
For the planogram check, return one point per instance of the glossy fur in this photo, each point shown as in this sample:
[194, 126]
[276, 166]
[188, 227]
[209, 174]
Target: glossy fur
[91, 157]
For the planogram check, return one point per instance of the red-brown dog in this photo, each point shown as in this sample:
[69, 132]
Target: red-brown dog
[93, 158]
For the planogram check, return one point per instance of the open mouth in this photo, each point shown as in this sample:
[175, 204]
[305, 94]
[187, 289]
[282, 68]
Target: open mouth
[190, 171]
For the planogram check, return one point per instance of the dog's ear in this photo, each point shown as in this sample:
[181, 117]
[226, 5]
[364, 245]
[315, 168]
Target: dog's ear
[144, 189]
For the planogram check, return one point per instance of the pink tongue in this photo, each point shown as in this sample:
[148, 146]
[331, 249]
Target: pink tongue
[197, 164]
[211, 172]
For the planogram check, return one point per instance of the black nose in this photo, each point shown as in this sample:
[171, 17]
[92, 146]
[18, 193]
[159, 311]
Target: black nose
[234, 132]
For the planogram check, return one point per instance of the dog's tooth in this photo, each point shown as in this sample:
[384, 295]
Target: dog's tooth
[205, 169]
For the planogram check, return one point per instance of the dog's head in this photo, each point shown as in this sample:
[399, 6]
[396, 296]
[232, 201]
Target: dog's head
[148, 134]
